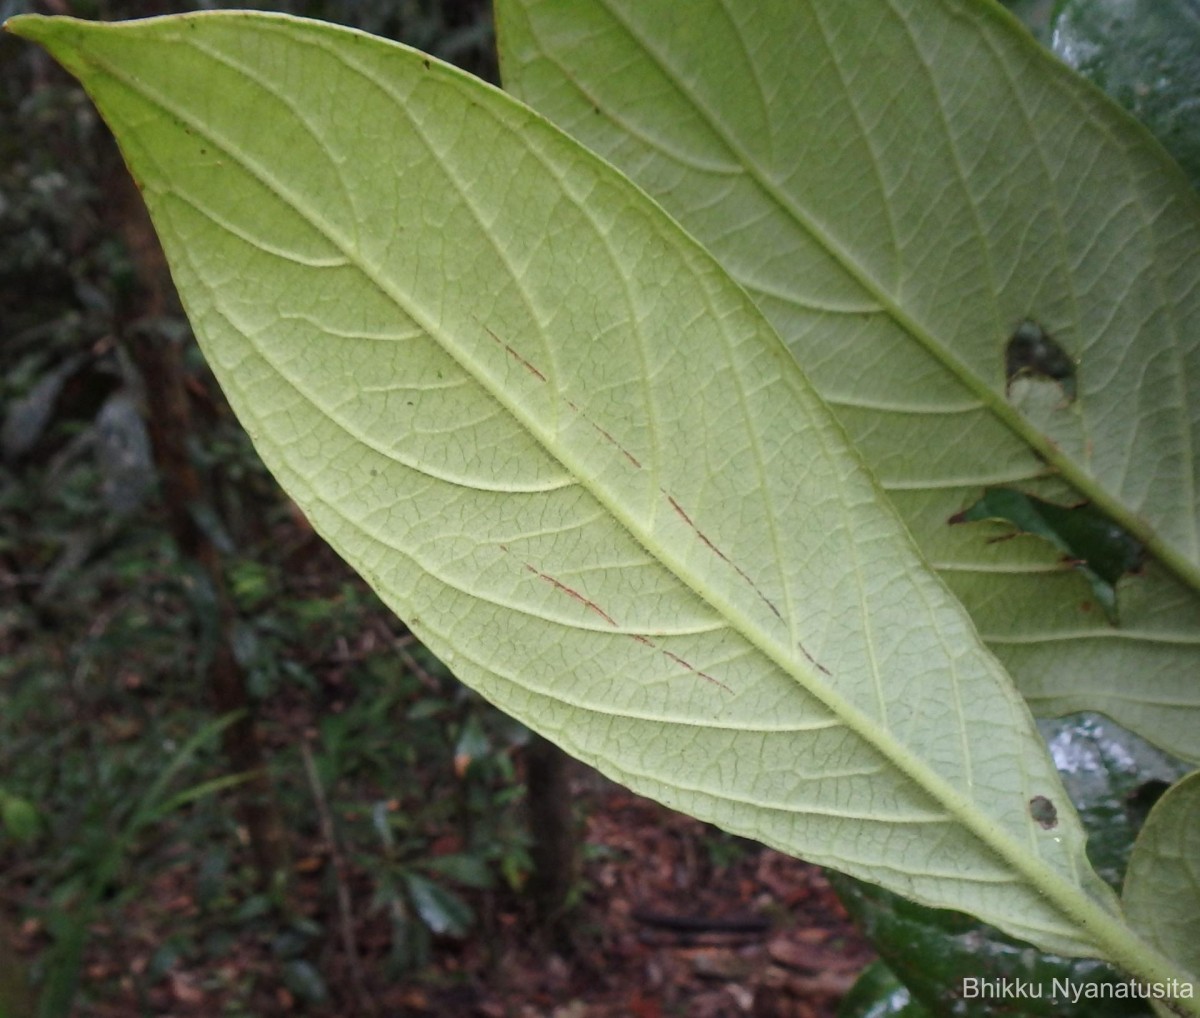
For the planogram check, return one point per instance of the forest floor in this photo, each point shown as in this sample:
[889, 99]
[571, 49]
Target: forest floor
[388, 771]
[675, 919]
[679, 932]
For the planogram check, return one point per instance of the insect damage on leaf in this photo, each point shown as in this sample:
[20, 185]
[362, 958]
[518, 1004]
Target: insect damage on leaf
[1032, 352]
[1141, 800]
[1100, 549]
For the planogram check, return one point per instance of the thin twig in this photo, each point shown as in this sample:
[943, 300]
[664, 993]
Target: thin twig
[366, 1003]
[401, 644]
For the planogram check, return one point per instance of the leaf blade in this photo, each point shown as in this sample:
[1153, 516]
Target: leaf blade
[1161, 894]
[495, 420]
[896, 233]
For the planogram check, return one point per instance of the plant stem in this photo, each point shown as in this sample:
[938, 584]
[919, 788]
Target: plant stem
[364, 1001]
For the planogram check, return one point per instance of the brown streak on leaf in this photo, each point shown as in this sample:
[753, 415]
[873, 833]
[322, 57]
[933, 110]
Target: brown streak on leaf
[572, 593]
[624, 452]
[696, 671]
[593, 607]
[606, 436]
[741, 572]
[723, 557]
[517, 357]
[813, 661]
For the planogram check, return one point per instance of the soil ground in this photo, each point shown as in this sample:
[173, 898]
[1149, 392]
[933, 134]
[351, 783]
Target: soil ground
[676, 919]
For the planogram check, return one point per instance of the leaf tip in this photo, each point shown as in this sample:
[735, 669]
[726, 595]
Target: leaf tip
[33, 27]
[53, 33]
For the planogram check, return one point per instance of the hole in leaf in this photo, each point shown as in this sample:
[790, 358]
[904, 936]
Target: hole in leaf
[1100, 549]
[1141, 800]
[1043, 812]
[1033, 353]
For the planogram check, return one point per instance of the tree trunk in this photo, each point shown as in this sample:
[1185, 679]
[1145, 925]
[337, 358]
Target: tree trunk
[160, 363]
[554, 849]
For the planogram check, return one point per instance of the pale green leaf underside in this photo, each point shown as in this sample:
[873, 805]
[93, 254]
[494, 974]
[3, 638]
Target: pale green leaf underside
[898, 185]
[566, 448]
[1162, 884]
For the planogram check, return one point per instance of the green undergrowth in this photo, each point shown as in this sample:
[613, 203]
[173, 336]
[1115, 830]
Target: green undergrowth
[115, 817]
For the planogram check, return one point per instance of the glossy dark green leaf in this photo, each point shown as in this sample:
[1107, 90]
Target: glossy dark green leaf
[1113, 777]
[445, 913]
[468, 870]
[1146, 55]
[879, 994]
[472, 744]
[956, 967]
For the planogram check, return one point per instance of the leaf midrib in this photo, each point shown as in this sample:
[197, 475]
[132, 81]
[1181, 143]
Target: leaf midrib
[1111, 504]
[1070, 898]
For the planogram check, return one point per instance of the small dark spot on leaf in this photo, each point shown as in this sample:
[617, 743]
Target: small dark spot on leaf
[1033, 353]
[426, 63]
[1042, 810]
